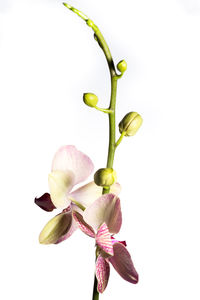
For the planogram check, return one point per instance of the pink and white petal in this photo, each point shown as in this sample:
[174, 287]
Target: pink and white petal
[82, 224]
[105, 209]
[88, 193]
[45, 202]
[123, 264]
[103, 239]
[102, 273]
[69, 158]
[60, 184]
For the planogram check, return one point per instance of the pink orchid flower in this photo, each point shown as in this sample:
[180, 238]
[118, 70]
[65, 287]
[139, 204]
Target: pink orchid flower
[69, 167]
[101, 220]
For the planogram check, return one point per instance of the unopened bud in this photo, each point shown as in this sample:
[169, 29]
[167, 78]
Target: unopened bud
[90, 99]
[105, 177]
[55, 228]
[130, 123]
[122, 66]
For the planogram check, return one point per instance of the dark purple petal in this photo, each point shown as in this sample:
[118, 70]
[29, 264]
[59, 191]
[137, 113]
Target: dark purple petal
[123, 264]
[45, 202]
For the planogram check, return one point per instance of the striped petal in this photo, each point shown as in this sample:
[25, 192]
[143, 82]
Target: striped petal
[103, 239]
[105, 209]
[123, 264]
[82, 224]
[102, 273]
[69, 158]
[88, 193]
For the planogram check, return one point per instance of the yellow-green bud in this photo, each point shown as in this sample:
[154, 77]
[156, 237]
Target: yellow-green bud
[105, 177]
[90, 99]
[130, 123]
[122, 66]
[55, 228]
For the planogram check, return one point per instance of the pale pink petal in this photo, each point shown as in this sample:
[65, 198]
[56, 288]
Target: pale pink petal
[82, 224]
[105, 209]
[88, 193]
[102, 273]
[103, 239]
[123, 264]
[69, 158]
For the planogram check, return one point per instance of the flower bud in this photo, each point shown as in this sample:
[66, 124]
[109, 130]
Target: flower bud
[130, 123]
[90, 99]
[55, 228]
[105, 177]
[122, 66]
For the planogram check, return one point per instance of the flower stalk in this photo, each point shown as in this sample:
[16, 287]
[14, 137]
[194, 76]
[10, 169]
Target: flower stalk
[114, 78]
[91, 100]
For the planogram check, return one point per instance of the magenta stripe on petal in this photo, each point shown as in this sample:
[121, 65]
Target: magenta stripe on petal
[103, 239]
[45, 202]
[82, 224]
[102, 273]
[123, 264]
[116, 241]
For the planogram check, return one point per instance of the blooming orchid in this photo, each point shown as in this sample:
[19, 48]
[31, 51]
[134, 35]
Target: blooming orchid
[69, 167]
[101, 220]
[94, 208]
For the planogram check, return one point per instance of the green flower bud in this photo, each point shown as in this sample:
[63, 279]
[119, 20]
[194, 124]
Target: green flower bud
[122, 66]
[130, 123]
[90, 99]
[105, 177]
[55, 228]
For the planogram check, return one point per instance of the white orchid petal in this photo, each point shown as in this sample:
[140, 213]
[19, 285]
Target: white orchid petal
[69, 158]
[88, 193]
[60, 184]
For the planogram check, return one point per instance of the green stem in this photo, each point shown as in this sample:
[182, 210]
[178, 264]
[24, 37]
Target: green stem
[114, 77]
[95, 295]
[105, 110]
[120, 139]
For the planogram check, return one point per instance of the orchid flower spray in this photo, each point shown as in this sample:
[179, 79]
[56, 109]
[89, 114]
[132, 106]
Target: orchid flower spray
[93, 208]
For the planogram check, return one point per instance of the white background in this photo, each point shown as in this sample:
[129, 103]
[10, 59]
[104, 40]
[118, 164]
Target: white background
[48, 58]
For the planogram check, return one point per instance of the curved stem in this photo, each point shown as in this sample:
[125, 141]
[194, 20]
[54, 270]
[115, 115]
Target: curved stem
[105, 110]
[120, 139]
